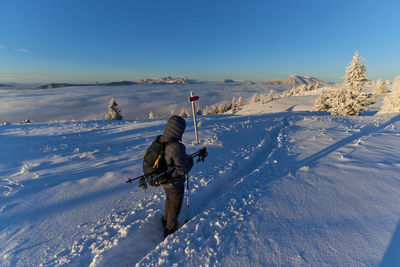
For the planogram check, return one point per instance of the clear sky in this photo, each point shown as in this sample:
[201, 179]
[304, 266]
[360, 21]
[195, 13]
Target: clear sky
[96, 40]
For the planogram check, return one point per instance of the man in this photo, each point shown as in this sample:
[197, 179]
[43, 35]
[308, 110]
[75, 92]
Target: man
[175, 156]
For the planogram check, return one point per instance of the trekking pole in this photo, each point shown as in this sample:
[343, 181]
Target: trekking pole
[187, 198]
[201, 155]
[130, 180]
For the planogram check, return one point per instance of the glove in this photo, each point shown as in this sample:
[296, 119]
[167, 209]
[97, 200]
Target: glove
[143, 184]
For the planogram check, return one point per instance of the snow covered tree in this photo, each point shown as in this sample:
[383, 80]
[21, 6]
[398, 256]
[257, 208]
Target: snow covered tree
[380, 87]
[222, 108]
[240, 101]
[297, 91]
[269, 97]
[316, 86]
[183, 113]
[206, 111]
[345, 102]
[213, 110]
[287, 93]
[255, 98]
[354, 79]
[114, 113]
[300, 90]
[323, 102]
[349, 100]
[216, 109]
[151, 115]
[396, 83]
[391, 102]
[261, 96]
[234, 105]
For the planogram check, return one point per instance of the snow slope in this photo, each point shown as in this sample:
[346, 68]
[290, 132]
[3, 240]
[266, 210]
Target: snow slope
[292, 188]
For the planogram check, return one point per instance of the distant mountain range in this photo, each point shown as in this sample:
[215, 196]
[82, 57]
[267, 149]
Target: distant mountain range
[165, 80]
[295, 80]
[60, 85]
[168, 80]
[292, 80]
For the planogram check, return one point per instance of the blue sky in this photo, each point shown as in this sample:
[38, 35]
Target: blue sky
[96, 40]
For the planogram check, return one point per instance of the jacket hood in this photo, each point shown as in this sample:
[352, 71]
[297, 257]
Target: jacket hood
[174, 130]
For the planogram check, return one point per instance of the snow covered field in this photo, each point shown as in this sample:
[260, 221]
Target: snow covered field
[287, 187]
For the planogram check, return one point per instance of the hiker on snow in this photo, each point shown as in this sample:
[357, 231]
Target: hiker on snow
[175, 156]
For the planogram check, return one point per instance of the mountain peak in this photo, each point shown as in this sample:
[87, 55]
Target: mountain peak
[295, 80]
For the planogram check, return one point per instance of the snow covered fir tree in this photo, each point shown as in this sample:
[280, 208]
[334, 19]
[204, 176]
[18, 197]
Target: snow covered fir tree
[151, 115]
[391, 102]
[271, 96]
[396, 83]
[323, 102]
[380, 87]
[183, 113]
[114, 113]
[355, 79]
[236, 104]
[349, 99]
[255, 98]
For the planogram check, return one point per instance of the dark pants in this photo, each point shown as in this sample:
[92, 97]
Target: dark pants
[173, 204]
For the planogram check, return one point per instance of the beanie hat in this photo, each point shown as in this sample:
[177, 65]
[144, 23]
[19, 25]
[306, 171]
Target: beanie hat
[175, 127]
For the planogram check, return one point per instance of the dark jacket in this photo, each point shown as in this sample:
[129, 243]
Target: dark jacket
[175, 151]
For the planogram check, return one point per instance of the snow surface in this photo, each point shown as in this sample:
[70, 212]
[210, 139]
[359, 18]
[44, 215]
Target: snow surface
[288, 187]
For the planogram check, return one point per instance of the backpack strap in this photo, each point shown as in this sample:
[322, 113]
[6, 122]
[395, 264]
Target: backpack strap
[157, 162]
[164, 145]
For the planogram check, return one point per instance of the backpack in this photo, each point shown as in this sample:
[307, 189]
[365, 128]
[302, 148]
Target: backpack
[154, 163]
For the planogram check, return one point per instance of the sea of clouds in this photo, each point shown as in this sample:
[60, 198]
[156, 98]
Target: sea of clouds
[135, 101]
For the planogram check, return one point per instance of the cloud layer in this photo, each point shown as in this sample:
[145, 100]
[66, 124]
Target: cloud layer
[135, 101]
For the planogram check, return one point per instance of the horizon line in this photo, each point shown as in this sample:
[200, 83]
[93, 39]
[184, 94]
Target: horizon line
[89, 82]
